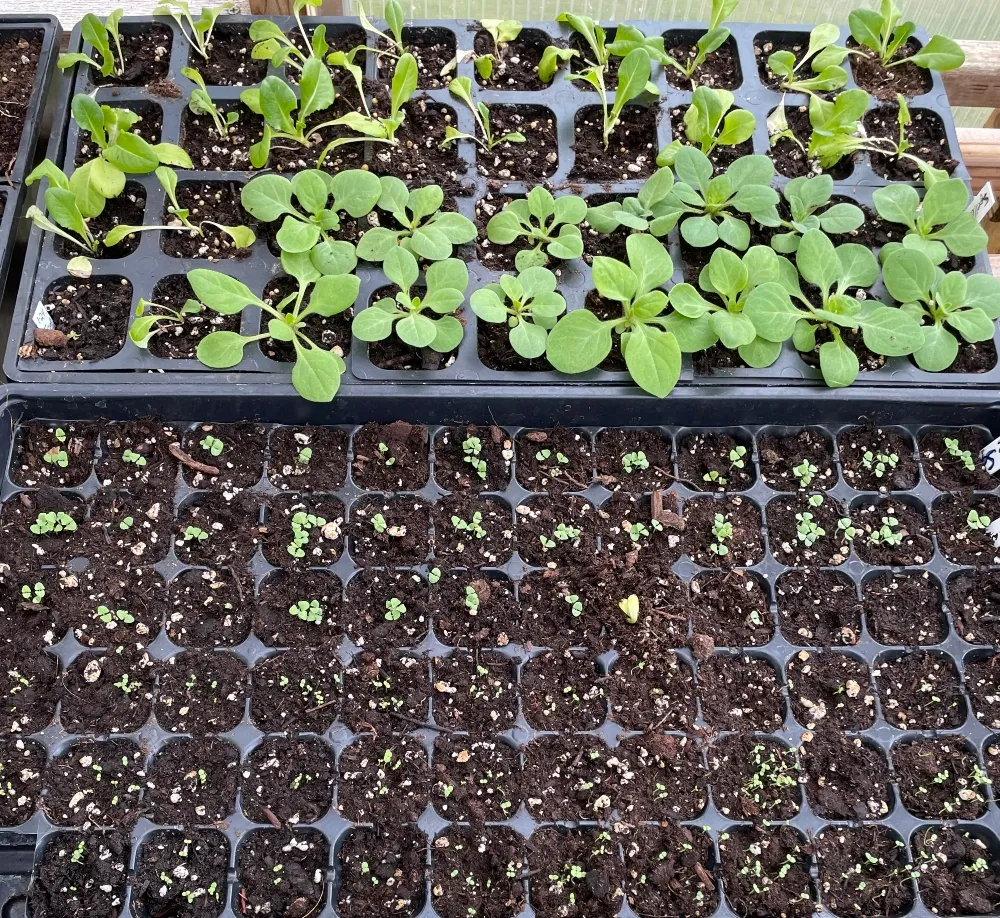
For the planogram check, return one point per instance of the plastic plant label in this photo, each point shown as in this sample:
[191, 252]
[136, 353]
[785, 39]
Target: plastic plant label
[989, 455]
[983, 203]
[994, 530]
[41, 317]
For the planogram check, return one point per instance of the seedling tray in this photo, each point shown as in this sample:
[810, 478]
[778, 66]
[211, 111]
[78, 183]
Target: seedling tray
[564, 99]
[781, 643]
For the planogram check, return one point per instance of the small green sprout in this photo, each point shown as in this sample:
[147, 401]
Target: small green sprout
[77, 855]
[379, 524]
[472, 447]
[566, 533]
[33, 594]
[433, 575]
[133, 458]
[715, 477]
[304, 456]
[395, 609]
[471, 599]
[302, 525]
[805, 472]
[126, 685]
[473, 526]
[386, 455]
[879, 463]
[57, 456]
[110, 617]
[195, 534]
[575, 605]
[888, 533]
[212, 445]
[722, 530]
[308, 610]
[636, 461]
[630, 607]
[544, 455]
[808, 532]
[53, 522]
[126, 524]
[977, 520]
[963, 455]
[737, 455]
[845, 526]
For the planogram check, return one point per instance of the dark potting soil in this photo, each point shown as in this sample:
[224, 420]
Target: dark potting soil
[478, 872]
[194, 861]
[911, 537]
[149, 466]
[939, 778]
[554, 614]
[475, 779]
[146, 52]
[228, 151]
[303, 531]
[831, 690]
[715, 462]
[296, 690]
[299, 609]
[722, 157]
[904, 609]
[764, 46]
[667, 871]
[562, 690]
[957, 871]
[962, 538]
[193, 781]
[236, 450]
[391, 457]
[386, 694]
[972, 598]
[863, 869]
[120, 532]
[982, 681]
[179, 341]
[95, 785]
[949, 472]
[570, 778]
[383, 779]
[516, 67]
[499, 257]
[743, 548]
[229, 58]
[765, 871]
[206, 608]
[891, 465]
[212, 532]
[885, 83]
[433, 48]
[382, 872]
[651, 692]
[22, 762]
[804, 531]
[126, 209]
[309, 458]
[845, 778]
[780, 455]
[217, 202]
[554, 460]
[292, 779]
[474, 458]
[754, 778]
[920, 691]
[92, 315]
[283, 872]
[149, 127]
[22, 548]
[925, 133]
[394, 354]
[631, 150]
[580, 874]
[472, 531]
[201, 692]
[107, 693]
[386, 608]
[557, 530]
[740, 693]
[635, 460]
[475, 692]
[392, 531]
[92, 884]
[57, 455]
[972, 358]
[791, 159]
[658, 775]
[332, 333]
[19, 55]
[731, 608]
[721, 69]
[30, 691]
[531, 161]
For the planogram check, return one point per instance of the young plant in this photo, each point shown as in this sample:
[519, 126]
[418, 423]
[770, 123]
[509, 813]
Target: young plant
[938, 225]
[272, 44]
[201, 103]
[428, 232]
[716, 36]
[888, 533]
[546, 223]
[243, 237]
[884, 34]
[212, 445]
[633, 462]
[52, 522]
[807, 530]
[369, 127]
[395, 609]
[407, 314]
[630, 608]
[528, 304]
[57, 454]
[722, 531]
[580, 340]
[148, 323]
[198, 31]
[708, 208]
[473, 527]
[709, 123]
[804, 473]
[461, 88]
[644, 213]
[317, 217]
[502, 31]
[99, 35]
[954, 449]
[67, 209]
[942, 304]
[121, 152]
[472, 447]
[316, 373]
[633, 81]
[285, 115]
[394, 19]
[825, 57]
[808, 199]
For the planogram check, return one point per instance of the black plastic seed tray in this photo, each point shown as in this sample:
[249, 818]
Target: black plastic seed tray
[979, 740]
[563, 100]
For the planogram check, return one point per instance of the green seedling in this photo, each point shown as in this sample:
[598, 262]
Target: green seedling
[198, 31]
[644, 213]
[879, 463]
[428, 232]
[633, 81]
[33, 593]
[395, 609]
[77, 856]
[502, 31]
[130, 457]
[53, 523]
[302, 524]
[472, 448]
[407, 315]
[635, 462]
[308, 610]
[722, 530]
[472, 600]
[808, 200]
[304, 456]
[824, 56]
[473, 526]
[527, 304]
[888, 533]
[194, 534]
[126, 524]
[808, 531]
[433, 575]
[111, 617]
[804, 473]
[67, 208]
[630, 608]
[551, 226]
[977, 521]
[99, 35]
[716, 36]
[709, 122]
[201, 103]
[272, 44]
[212, 445]
[387, 457]
[580, 340]
[393, 13]
[962, 455]
[845, 526]
[575, 605]
[57, 455]
[883, 33]
[461, 89]
[544, 455]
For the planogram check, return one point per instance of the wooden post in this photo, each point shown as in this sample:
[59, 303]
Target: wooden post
[977, 82]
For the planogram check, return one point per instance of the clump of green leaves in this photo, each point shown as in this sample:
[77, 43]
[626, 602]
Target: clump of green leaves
[633, 81]
[888, 533]
[824, 56]
[33, 593]
[154, 318]
[712, 208]
[212, 445]
[637, 461]
[716, 36]
[111, 617]
[99, 35]
[722, 531]
[977, 521]
[201, 103]
[472, 448]
[804, 473]
[937, 225]
[407, 315]
[528, 304]
[882, 32]
[461, 88]
[550, 225]
[580, 340]
[57, 454]
[643, 213]
[709, 122]
[271, 44]
[316, 373]
[52, 523]
[67, 209]
[303, 204]
[428, 232]
[198, 31]
[194, 534]
[808, 199]
[942, 304]
[964, 456]
[502, 31]
[807, 530]
[393, 13]
[395, 609]
[302, 525]
[474, 526]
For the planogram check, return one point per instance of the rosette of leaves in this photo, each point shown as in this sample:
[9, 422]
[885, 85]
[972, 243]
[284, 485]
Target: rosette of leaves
[642, 213]
[319, 196]
[833, 270]
[550, 225]
[285, 114]
[99, 35]
[943, 304]
[580, 340]
[427, 231]
[528, 304]
[316, 372]
[938, 225]
[710, 209]
[808, 200]
[121, 153]
[824, 56]
[732, 282]
[272, 44]
[709, 122]
[882, 31]
[419, 321]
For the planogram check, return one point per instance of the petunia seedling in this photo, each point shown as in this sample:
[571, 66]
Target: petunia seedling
[419, 321]
[112, 617]
[722, 531]
[201, 103]
[575, 605]
[633, 81]
[100, 36]
[716, 36]
[471, 600]
[473, 527]
[879, 464]
[946, 306]
[427, 231]
[302, 525]
[503, 32]
[823, 55]
[461, 89]
[709, 122]
[644, 213]
[273, 45]
[472, 448]
[964, 456]
[527, 304]
[395, 609]
[630, 608]
[888, 533]
[882, 32]
[550, 225]
[198, 32]
[394, 18]
[53, 523]
[636, 461]
[212, 445]
[808, 200]
[33, 593]
[194, 534]
[977, 521]
[804, 473]
[807, 530]
[308, 610]
[156, 318]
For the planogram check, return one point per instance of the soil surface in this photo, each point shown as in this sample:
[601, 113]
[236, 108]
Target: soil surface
[808, 451]
[886, 82]
[19, 54]
[631, 150]
[766, 871]
[846, 778]
[904, 609]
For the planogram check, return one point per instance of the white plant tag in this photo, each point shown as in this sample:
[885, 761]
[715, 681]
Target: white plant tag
[982, 203]
[989, 455]
[994, 530]
[41, 317]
